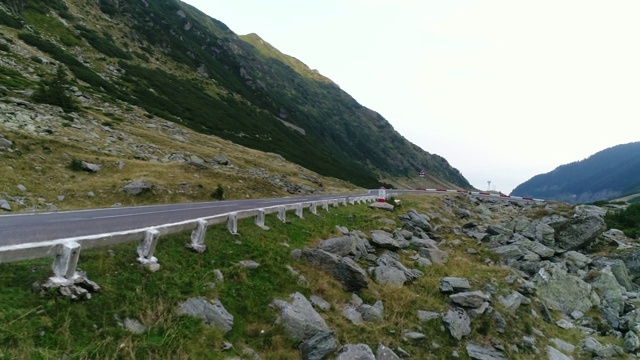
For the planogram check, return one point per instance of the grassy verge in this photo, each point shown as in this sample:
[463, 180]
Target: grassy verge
[42, 326]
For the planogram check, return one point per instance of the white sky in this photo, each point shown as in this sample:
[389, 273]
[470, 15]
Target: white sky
[503, 89]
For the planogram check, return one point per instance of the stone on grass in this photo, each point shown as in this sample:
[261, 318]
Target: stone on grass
[212, 312]
[355, 351]
[299, 318]
[458, 323]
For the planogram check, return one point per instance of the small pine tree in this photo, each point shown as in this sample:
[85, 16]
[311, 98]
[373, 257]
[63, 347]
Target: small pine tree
[54, 92]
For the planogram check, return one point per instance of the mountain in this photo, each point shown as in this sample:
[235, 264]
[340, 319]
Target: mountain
[608, 174]
[178, 64]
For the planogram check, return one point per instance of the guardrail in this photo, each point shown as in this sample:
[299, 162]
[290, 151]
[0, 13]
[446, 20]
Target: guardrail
[67, 251]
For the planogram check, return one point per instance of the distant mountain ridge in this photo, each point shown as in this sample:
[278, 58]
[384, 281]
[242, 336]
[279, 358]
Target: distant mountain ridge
[606, 175]
[177, 63]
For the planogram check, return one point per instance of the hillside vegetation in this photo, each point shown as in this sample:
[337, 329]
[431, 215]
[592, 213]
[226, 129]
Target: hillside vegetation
[178, 64]
[609, 174]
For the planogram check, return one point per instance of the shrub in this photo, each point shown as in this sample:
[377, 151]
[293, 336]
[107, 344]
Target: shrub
[218, 194]
[75, 165]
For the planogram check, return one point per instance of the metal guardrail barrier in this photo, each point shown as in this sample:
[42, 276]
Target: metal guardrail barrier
[67, 251]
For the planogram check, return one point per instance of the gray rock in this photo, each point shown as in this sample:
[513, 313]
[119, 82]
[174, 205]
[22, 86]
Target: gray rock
[425, 316]
[384, 353]
[582, 229]
[391, 259]
[134, 326]
[89, 167]
[249, 264]
[413, 220]
[631, 342]
[593, 346]
[454, 284]
[4, 205]
[320, 303]
[384, 240]
[508, 252]
[469, 299]
[220, 159]
[342, 246]
[458, 323]
[511, 302]
[344, 269]
[372, 313]
[577, 259]
[319, 346]
[479, 352]
[562, 290]
[555, 354]
[355, 352]
[352, 314]
[389, 276]
[5, 143]
[22, 187]
[136, 187]
[301, 322]
[563, 345]
[381, 206]
[213, 313]
[610, 292]
[436, 256]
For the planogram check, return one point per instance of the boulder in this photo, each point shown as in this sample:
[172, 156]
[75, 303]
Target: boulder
[582, 229]
[300, 320]
[450, 285]
[372, 313]
[89, 167]
[343, 269]
[384, 353]
[355, 351]
[5, 143]
[4, 205]
[611, 293]
[458, 323]
[136, 187]
[381, 206]
[385, 240]
[469, 299]
[212, 312]
[561, 290]
[341, 246]
[319, 346]
[413, 220]
[479, 352]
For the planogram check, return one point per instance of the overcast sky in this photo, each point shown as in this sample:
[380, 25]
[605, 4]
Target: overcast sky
[503, 89]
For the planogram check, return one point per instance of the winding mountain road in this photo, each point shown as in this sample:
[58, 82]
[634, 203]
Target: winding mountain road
[16, 229]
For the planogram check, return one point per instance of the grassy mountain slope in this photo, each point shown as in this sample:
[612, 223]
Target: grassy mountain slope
[608, 174]
[181, 65]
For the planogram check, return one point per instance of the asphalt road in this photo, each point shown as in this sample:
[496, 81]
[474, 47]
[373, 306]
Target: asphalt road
[18, 229]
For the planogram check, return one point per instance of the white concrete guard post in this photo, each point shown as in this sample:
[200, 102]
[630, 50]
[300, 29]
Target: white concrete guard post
[197, 237]
[335, 203]
[282, 213]
[66, 260]
[343, 201]
[325, 205]
[147, 247]
[299, 211]
[260, 216]
[314, 208]
[232, 223]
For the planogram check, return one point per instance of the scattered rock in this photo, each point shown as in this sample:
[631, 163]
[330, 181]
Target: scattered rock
[212, 312]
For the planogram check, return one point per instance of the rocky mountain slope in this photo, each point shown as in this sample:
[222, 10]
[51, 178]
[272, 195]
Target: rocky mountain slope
[177, 64]
[609, 174]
